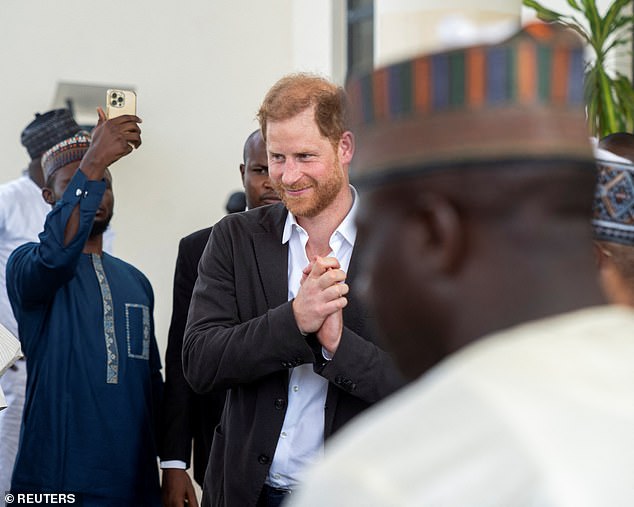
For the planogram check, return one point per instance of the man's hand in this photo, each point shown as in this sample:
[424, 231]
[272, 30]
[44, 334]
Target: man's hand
[177, 488]
[329, 334]
[111, 140]
[321, 294]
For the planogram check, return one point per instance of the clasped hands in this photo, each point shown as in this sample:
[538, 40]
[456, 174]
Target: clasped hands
[320, 300]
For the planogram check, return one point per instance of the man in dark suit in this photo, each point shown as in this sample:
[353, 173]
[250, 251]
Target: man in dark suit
[187, 416]
[267, 315]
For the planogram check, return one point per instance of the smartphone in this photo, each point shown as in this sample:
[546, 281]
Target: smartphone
[120, 102]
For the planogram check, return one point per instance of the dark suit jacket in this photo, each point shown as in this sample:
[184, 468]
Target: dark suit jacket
[185, 415]
[241, 334]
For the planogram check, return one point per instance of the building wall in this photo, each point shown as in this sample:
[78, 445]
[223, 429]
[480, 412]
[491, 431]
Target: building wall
[200, 68]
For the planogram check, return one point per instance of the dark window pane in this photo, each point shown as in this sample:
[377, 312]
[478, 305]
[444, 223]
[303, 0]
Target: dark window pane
[360, 35]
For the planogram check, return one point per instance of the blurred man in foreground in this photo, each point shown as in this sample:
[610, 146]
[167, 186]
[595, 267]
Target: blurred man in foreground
[477, 216]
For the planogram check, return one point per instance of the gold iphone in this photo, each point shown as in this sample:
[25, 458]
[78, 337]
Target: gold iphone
[120, 102]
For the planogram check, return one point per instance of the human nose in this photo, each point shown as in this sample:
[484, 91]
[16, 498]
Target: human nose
[291, 173]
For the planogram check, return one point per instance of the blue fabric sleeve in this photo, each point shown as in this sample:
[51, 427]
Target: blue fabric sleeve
[36, 270]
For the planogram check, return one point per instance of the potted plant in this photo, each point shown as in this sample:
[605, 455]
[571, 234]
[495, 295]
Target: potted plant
[609, 95]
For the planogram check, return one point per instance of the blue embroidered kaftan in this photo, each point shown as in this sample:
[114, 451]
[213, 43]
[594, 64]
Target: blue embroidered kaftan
[93, 366]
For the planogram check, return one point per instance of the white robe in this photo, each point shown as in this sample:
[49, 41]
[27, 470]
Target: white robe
[540, 415]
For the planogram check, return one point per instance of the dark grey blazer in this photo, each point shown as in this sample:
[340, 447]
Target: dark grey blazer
[241, 334]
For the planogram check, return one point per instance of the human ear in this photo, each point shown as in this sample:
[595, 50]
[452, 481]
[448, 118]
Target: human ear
[443, 241]
[346, 147]
[47, 195]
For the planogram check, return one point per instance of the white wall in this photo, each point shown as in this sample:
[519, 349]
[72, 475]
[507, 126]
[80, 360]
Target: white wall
[200, 68]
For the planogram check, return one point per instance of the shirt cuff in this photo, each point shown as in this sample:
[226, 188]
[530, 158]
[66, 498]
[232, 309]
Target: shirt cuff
[175, 463]
[327, 355]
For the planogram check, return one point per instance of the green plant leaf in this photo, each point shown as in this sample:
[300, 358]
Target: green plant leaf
[625, 101]
[577, 28]
[574, 5]
[614, 44]
[614, 10]
[609, 118]
[622, 21]
[609, 100]
[611, 16]
[542, 12]
[625, 96]
[594, 19]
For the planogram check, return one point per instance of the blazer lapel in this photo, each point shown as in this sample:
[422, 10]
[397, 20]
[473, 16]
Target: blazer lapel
[272, 256]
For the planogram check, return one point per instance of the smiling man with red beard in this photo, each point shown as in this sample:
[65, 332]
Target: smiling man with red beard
[274, 314]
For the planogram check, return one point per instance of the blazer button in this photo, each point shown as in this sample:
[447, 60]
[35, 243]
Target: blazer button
[263, 459]
[286, 364]
[280, 403]
[338, 380]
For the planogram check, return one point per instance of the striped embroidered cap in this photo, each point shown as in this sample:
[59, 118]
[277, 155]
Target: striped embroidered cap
[63, 153]
[48, 129]
[613, 212]
[517, 99]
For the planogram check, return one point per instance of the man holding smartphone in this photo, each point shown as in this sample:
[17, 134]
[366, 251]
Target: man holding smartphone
[86, 328]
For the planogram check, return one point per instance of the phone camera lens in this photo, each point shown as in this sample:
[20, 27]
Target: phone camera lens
[120, 99]
[113, 102]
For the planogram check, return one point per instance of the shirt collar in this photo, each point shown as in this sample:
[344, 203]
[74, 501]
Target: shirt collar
[347, 228]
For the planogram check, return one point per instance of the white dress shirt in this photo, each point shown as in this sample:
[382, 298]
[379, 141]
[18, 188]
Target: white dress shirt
[301, 440]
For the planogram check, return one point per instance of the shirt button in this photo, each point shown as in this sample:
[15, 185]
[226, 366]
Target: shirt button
[78, 192]
[295, 388]
[283, 434]
[277, 476]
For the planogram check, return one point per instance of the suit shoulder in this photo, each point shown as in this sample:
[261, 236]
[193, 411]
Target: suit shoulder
[262, 219]
[196, 238]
